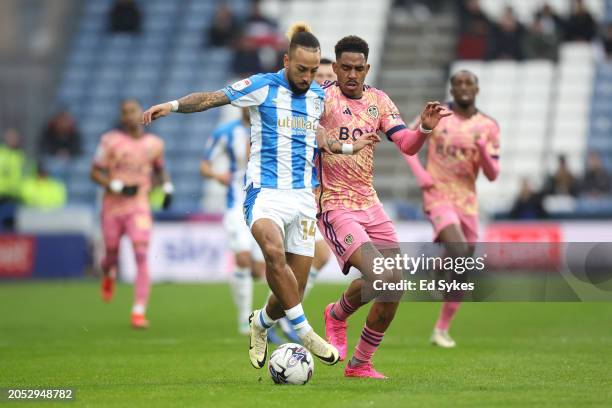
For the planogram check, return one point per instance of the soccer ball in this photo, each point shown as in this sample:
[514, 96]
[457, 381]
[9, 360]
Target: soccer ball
[291, 363]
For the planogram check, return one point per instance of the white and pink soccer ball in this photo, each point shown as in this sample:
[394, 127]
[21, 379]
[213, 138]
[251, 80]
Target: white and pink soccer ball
[292, 364]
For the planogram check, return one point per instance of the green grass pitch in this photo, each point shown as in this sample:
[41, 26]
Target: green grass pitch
[509, 354]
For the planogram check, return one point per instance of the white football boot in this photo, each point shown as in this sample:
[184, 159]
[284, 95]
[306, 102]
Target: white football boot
[442, 338]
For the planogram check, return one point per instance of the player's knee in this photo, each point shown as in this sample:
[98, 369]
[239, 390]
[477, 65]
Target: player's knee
[275, 258]
[140, 253]
[243, 259]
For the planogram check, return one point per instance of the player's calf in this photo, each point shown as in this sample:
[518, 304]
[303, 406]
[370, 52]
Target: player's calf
[109, 269]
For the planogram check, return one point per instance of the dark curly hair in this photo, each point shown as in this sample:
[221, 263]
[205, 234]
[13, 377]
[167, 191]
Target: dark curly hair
[352, 43]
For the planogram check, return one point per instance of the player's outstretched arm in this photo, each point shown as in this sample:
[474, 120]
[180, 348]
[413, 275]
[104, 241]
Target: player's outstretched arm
[432, 113]
[207, 171]
[410, 141]
[423, 178]
[195, 102]
[99, 176]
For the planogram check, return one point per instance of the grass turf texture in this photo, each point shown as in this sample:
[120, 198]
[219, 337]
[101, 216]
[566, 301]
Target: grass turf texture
[509, 354]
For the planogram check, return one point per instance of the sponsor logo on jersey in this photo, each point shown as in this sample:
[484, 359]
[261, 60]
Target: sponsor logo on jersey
[317, 105]
[240, 85]
[299, 123]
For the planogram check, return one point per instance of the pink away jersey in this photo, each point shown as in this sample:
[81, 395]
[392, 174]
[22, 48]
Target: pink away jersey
[346, 180]
[453, 160]
[130, 160]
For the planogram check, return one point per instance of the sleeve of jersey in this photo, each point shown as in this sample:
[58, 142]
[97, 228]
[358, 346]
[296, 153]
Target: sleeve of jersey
[391, 121]
[490, 154]
[251, 91]
[493, 143]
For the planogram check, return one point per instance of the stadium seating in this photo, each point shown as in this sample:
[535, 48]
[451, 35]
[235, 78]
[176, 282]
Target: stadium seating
[165, 61]
[601, 114]
[332, 20]
[526, 9]
[572, 104]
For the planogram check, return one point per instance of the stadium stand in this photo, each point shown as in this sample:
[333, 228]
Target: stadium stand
[165, 61]
[330, 23]
[525, 9]
[601, 113]
[413, 70]
[543, 108]
[572, 104]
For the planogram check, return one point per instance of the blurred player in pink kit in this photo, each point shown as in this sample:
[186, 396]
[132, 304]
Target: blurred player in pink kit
[459, 147]
[351, 217]
[125, 163]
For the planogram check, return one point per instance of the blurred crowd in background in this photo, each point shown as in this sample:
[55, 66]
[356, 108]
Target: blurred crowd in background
[257, 44]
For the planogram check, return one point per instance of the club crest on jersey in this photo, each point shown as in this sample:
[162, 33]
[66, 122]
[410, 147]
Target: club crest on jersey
[240, 85]
[373, 111]
[348, 240]
[347, 111]
[317, 105]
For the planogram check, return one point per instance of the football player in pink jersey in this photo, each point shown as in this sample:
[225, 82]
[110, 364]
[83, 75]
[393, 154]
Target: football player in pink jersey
[459, 147]
[125, 163]
[351, 217]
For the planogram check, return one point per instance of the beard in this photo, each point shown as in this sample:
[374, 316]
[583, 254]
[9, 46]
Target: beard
[295, 89]
[464, 105]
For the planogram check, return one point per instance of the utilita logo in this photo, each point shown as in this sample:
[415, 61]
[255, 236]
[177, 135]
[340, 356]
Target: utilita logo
[16, 256]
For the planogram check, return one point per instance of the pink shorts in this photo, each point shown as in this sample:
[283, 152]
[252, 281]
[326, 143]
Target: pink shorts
[345, 231]
[136, 225]
[443, 215]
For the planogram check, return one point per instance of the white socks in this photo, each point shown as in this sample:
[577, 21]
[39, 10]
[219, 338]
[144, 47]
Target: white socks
[298, 320]
[262, 320]
[241, 283]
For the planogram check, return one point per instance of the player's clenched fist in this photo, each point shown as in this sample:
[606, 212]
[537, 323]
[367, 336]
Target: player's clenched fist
[156, 112]
[433, 112]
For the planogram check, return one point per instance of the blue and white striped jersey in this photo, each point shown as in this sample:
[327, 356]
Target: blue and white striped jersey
[231, 139]
[283, 130]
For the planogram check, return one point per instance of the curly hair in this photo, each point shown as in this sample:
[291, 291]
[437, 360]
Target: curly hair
[352, 43]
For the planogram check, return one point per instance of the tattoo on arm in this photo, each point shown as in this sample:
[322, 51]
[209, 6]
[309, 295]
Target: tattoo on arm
[334, 145]
[201, 101]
